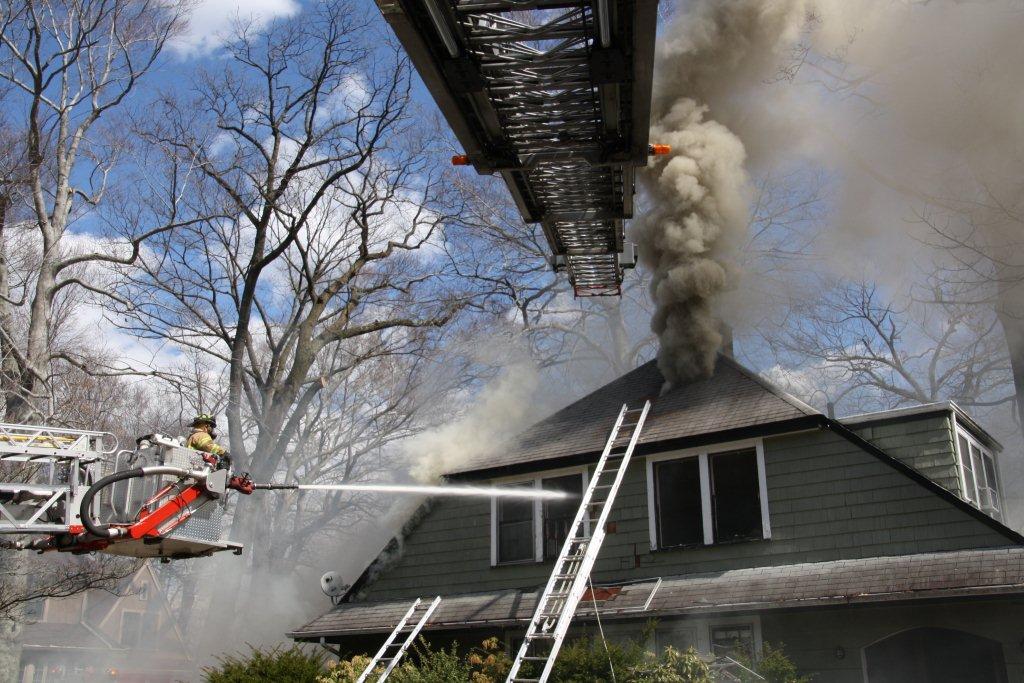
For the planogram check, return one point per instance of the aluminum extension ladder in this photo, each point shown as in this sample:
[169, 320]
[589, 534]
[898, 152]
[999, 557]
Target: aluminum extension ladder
[392, 651]
[571, 573]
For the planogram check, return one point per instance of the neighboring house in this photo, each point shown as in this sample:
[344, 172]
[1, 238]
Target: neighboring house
[870, 547]
[99, 636]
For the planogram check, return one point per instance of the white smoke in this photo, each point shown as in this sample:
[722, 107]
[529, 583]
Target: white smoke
[502, 409]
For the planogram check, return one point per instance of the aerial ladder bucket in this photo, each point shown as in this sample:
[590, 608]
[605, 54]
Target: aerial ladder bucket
[73, 491]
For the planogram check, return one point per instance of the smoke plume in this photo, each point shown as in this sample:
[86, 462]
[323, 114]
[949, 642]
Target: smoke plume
[503, 408]
[697, 198]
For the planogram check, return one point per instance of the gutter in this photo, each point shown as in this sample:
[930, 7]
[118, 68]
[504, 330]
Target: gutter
[898, 597]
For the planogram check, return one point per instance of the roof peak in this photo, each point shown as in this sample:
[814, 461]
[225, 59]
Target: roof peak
[732, 398]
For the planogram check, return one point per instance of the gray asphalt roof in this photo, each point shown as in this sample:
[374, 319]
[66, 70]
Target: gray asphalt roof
[732, 398]
[997, 571]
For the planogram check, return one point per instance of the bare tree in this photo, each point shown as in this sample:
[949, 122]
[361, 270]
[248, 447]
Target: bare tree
[854, 345]
[71, 66]
[584, 340]
[307, 246]
[59, 577]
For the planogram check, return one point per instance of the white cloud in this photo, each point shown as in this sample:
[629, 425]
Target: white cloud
[211, 21]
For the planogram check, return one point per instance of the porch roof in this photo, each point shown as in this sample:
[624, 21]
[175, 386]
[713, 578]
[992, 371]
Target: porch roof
[963, 573]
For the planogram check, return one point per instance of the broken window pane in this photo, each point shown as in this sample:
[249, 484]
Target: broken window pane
[679, 515]
[736, 498]
[559, 514]
[515, 530]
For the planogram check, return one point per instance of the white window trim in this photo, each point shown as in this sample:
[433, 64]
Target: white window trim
[705, 485]
[972, 441]
[536, 480]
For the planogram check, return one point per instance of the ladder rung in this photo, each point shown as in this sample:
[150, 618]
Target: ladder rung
[536, 659]
[540, 636]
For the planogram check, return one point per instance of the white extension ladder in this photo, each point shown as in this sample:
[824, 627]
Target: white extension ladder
[570, 575]
[392, 650]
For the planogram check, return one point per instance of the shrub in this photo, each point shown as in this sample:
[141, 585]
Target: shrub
[584, 660]
[776, 667]
[292, 665]
[485, 664]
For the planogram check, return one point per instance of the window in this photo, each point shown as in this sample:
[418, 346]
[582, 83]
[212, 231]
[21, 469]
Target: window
[515, 530]
[733, 640]
[533, 531]
[978, 471]
[679, 503]
[558, 515]
[708, 497]
[735, 495]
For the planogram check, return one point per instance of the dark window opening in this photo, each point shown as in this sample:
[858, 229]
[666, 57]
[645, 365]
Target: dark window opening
[735, 495]
[515, 530]
[680, 518]
[560, 514]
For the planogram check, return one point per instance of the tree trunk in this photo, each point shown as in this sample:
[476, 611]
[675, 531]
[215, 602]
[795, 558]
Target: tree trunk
[1013, 328]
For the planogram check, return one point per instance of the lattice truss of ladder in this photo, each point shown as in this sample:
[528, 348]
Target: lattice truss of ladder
[399, 641]
[44, 472]
[555, 96]
[570, 575]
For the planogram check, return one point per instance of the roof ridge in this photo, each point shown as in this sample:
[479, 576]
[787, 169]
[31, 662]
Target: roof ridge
[770, 386]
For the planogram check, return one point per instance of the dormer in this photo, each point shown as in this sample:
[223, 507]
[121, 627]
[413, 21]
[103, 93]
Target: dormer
[944, 443]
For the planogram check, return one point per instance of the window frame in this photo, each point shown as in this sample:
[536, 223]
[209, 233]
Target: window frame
[704, 453]
[753, 620]
[535, 480]
[973, 495]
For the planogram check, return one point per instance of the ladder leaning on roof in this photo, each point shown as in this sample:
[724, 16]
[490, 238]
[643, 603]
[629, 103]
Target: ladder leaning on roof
[557, 604]
[393, 650]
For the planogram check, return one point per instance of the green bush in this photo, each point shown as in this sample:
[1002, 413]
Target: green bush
[776, 667]
[584, 660]
[674, 667]
[292, 665]
[485, 664]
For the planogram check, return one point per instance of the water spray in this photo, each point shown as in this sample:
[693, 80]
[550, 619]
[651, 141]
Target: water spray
[458, 491]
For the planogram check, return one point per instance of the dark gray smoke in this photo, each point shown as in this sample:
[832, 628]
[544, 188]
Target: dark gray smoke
[697, 197]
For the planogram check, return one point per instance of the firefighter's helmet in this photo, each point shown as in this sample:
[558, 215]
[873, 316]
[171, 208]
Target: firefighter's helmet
[205, 419]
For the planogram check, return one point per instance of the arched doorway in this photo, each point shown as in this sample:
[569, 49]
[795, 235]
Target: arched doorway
[935, 655]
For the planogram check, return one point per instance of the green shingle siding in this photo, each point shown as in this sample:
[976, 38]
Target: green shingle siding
[924, 443]
[827, 498]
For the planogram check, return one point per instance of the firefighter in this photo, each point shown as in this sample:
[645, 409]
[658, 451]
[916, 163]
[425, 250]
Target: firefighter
[203, 438]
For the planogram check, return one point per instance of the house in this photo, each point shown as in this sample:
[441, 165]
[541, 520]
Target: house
[98, 636]
[871, 547]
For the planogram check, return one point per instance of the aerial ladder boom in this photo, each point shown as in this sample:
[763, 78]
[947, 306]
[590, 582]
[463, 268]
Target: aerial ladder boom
[555, 97]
